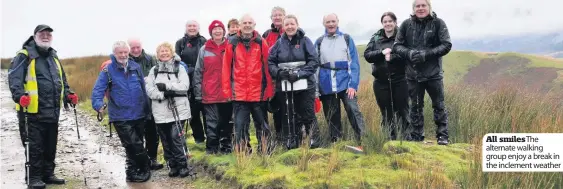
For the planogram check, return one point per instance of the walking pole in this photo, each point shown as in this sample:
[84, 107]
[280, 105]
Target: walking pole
[172, 106]
[78, 133]
[26, 144]
[394, 120]
[101, 120]
[288, 141]
[293, 127]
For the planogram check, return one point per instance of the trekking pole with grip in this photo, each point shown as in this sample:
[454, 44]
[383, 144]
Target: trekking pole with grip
[24, 105]
[80, 152]
[101, 120]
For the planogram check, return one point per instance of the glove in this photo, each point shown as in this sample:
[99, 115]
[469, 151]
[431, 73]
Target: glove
[414, 57]
[25, 100]
[283, 74]
[169, 94]
[72, 98]
[293, 77]
[161, 86]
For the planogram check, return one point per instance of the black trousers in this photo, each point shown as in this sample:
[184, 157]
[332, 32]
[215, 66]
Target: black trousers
[393, 102]
[242, 112]
[331, 109]
[276, 104]
[173, 144]
[131, 136]
[435, 89]
[298, 110]
[219, 130]
[42, 146]
[152, 139]
[197, 124]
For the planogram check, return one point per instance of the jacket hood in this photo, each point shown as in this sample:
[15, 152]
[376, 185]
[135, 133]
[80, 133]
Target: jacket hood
[274, 29]
[381, 33]
[255, 34]
[299, 34]
[432, 15]
[31, 48]
[210, 44]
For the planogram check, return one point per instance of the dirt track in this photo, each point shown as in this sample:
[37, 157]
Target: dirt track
[68, 163]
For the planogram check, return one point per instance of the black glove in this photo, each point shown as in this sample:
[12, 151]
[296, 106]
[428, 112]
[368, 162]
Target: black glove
[293, 77]
[414, 57]
[161, 86]
[169, 94]
[283, 74]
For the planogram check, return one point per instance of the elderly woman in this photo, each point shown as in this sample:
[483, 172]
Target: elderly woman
[390, 85]
[207, 89]
[292, 62]
[167, 86]
[187, 48]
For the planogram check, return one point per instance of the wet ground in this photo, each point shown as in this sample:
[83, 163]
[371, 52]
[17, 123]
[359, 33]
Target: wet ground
[105, 169]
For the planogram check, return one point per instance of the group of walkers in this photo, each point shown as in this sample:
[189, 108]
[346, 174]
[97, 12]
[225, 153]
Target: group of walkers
[215, 85]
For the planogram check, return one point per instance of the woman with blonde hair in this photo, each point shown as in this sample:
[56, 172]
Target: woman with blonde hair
[167, 87]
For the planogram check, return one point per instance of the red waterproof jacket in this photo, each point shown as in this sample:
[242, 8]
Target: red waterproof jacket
[245, 70]
[208, 72]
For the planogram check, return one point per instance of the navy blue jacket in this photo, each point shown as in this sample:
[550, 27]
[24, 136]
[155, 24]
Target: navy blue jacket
[299, 48]
[128, 98]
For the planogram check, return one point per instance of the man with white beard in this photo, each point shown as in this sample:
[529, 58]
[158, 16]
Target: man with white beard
[128, 108]
[38, 85]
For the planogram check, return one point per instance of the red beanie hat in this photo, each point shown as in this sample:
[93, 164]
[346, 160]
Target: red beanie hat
[216, 23]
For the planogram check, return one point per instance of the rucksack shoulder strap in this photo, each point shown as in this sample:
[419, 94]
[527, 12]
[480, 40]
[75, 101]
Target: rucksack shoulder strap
[347, 39]
[23, 51]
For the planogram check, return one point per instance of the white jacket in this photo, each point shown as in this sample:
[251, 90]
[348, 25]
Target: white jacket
[160, 110]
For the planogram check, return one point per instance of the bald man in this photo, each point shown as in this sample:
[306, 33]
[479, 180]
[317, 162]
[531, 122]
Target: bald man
[339, 78]
[187, 48]
[248, 84]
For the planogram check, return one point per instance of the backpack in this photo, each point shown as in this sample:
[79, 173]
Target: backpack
[175, 72]
[320, 40]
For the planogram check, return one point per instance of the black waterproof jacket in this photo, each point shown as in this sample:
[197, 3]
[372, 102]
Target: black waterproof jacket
[48, 81]
[299, 48]
[381, 69]
[430, 36]
[146, 62]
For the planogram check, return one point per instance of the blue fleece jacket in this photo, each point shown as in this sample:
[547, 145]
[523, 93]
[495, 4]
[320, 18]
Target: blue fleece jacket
[128, 99]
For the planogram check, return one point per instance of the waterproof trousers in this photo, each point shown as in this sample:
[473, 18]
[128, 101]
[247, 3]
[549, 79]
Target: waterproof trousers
[173, 144]
[131, 136]
[151, 139]
[393, 102]
[242, 112]
[331, 109]
[435, 89]
[219, 130]
[198, 119]
[42, 146]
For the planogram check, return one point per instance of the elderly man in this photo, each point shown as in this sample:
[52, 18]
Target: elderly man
[187, 48]
[338, 78]
[38, 85]
[146, 62]
[424, 39]
[247, 83]
[128, 108]
[271, 36]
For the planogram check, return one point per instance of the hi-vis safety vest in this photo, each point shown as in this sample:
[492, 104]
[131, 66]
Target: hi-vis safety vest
[30, 85]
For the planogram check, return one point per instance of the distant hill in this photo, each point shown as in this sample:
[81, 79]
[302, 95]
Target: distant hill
[550, 44]
[490, 70]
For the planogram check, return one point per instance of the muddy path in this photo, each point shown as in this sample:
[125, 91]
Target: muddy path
[111, 162]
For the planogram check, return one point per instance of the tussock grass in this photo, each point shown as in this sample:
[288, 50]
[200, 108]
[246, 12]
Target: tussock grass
[472, 112]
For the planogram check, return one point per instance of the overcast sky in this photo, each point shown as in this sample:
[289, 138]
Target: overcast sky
[89, 27]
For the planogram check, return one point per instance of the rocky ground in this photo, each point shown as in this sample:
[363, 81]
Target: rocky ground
[105, 169]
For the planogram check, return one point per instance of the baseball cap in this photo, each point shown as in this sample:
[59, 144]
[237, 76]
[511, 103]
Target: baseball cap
[42, 27]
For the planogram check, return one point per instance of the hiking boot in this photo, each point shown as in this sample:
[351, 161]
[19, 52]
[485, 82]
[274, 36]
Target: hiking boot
[142, 175]
[53, 180]
[155, 165]
[443, 140]
[184, 172]
[173, 172]
[36, 184]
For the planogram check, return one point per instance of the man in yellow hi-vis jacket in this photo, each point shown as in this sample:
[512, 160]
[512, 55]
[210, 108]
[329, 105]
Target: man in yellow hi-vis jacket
[39, 88]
